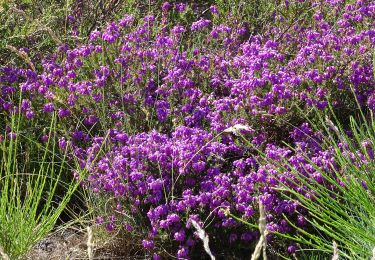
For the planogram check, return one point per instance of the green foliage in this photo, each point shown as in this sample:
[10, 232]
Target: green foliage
[343, 207]
[29, 201]
[31, 25]
[254, 13]
[40, 26]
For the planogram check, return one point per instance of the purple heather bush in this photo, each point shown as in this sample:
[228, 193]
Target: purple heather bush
[145, 104]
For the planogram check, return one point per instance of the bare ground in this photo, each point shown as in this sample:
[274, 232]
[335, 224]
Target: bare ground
[72, 244]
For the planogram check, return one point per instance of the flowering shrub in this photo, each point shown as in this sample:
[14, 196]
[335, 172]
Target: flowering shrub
[145, 104]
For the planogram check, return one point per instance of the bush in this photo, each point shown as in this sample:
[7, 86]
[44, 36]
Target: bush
[149, 105]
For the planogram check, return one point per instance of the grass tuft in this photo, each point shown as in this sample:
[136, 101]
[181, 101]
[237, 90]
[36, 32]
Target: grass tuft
[29, 204]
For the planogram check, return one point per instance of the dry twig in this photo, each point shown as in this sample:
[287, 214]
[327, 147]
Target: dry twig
[335, 251]
[261, 247]
[22, 54]
[204, 237]
[90, 244]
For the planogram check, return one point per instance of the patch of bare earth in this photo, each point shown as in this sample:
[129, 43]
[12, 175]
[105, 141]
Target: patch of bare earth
[73, 244]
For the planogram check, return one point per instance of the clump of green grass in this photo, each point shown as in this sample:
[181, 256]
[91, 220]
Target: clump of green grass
[29, 204]
[342, 211]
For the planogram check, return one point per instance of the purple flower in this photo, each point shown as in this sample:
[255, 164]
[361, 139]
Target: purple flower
[62, 113]
[25, 104]
[371, 102]
[44, 138]
[62, 143]
[99, 220]
[156, 257]
[29, 114]
[214, 10]
[200, 24]
[180, 235]
[12, 135]
[178, 29]
[182, 252]
[148, 244]
[126, 21]
[166, 6]
[110, 227]
[233, 237]
[292, 248]
[180, 7]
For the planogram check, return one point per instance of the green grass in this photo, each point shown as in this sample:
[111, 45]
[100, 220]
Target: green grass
[345, 213]
[29, 201]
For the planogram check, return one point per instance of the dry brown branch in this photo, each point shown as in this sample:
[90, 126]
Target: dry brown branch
[20, 12]
[22, 54]
[90, 244]
[261, 247]
[204, 237]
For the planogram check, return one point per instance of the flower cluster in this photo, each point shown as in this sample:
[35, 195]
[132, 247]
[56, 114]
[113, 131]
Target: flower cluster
[158, 97]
